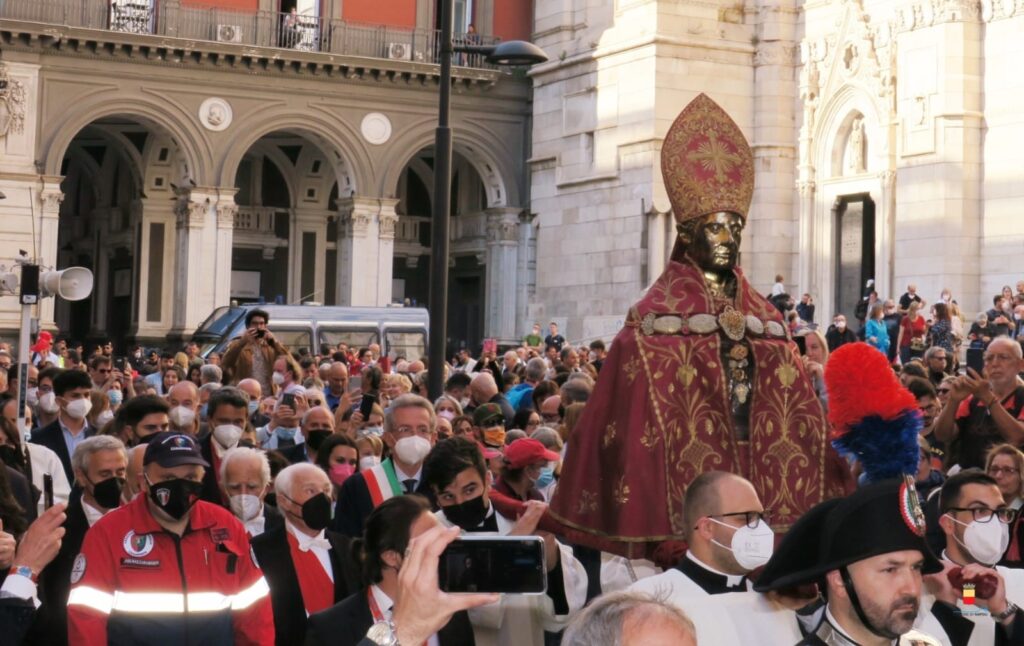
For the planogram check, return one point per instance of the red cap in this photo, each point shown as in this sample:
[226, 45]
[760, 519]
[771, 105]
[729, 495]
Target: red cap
[526, 451]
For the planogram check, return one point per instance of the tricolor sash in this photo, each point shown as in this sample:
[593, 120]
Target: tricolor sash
[382, 481]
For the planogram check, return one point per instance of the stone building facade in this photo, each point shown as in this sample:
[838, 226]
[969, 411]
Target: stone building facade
[883, 133]
[190, 157]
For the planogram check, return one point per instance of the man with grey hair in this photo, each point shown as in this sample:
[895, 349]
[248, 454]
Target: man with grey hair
[520, 397]
[483, 389]
[630, 619]
[307, 567]
[576, 390]
[211, 374]
[100, 464]
[245, 481]
[410, 431]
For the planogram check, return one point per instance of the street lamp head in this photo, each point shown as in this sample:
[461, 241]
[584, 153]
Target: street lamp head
[516, 52]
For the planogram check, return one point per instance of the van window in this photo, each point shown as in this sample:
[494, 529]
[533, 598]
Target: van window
[293, 338]
[411, 344]
[354, 339]
[220, 321]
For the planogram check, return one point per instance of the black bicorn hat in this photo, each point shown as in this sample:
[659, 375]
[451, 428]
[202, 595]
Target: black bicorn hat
[876, 519]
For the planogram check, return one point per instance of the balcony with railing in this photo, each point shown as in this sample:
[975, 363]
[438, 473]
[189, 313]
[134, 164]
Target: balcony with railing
[290, 31]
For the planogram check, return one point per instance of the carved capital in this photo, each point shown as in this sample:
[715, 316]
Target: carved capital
[888, 179]
[190, 214]
[502, 226]
[227, 213]
[50, 199]
[805, 188]
[388, 221]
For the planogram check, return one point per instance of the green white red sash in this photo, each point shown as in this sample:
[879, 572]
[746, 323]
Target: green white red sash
[382, 481]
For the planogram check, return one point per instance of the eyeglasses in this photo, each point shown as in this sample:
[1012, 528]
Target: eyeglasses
[1010, 471]
[943, 391]
[750, 518]
[984, 514]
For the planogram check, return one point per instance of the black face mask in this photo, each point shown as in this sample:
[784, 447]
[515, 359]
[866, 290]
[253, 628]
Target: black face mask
[316, 512]
[315, 439]
[270, 499]
[108, 492]
[467, 514]
[175, 497]
[12, 457]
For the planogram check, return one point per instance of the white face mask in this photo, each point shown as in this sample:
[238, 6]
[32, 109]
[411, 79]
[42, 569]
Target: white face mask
[985, 542]
[227, 435]
[447, 414]
[245, 506]
[368, 462]
[103, 418]
[48, 403]
[78, 408]
[413, 449]
[182, 417]
[277, 378]
[32, 396]
[750, 547]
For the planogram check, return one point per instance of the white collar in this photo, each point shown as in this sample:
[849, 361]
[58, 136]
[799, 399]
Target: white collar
[384, 602]
[92, 514]
[830, 618]
[730, 579]
[257, 525]
[402, 475]
[305, 541]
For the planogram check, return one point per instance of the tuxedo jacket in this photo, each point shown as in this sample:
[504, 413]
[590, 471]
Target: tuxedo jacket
[354, 505]
[346, 623]
[52, 437]
[275, 559]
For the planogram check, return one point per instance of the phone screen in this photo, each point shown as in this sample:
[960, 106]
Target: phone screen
[504, 564]
[366, 405]
[976, 359]
[47, 491]
[288, 399]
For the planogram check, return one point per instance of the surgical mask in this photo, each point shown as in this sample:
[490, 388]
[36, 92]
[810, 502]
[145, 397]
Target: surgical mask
[371, 430]
[108, 492]
[277, 378]
[115, 396]
[751, 547]
[175, 497]
[413, 449]
[368, 462]
[840, 325]
[253, 406]
[468, 514]
[104, 418]
[245, 506]
[316, 512]
[285, 433]
[494, 437]
[447, 414]
[985, 542]
[339, 473]
[48, 403]
[32, 396]
[78, 408]
[547, 476]
[182, 417]
[227, 435]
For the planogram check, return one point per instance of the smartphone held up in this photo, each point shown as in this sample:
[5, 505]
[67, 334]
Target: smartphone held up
[501, 564]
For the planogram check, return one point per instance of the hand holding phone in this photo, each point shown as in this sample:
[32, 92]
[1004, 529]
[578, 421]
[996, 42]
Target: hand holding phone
[503, 564]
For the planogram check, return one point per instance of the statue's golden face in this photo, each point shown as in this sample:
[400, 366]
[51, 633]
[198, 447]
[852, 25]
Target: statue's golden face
[713, 241]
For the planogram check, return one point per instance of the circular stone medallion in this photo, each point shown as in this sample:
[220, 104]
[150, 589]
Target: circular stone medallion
[376, 128]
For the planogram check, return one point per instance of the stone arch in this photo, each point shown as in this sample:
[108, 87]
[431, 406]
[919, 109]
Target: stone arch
[834, 128]
[150, 113]
[351, 162]
[279, 159]
[472, 142]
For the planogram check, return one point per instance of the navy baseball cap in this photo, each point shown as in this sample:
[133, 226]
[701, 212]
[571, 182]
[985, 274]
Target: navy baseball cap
[173, 449]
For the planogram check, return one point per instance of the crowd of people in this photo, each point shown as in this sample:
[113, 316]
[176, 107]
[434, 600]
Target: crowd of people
[270, 496]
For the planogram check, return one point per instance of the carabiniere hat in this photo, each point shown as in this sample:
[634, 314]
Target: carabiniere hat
[173, 449]
[876, 519]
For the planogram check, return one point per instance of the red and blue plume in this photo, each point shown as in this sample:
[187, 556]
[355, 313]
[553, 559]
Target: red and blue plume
[875, 420]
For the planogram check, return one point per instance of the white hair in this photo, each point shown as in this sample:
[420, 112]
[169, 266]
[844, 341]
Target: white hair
[284, 479]
[245, 453]
[93, 445]
[602, 622]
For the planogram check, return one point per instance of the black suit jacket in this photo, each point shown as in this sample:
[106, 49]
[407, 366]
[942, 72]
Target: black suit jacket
[355, 504]
[274, 557]
[51, 624]
[15, 619]
[273, 518]
[346, 623]
[52, 438]
[23, 493]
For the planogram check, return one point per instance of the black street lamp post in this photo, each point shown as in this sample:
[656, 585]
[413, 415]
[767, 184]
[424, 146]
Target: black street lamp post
[513, 52]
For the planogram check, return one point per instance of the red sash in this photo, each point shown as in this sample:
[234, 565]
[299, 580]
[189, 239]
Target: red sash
[317, 588]
[375, 609]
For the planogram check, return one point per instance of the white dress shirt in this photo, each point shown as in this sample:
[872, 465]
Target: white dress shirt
[385, 604]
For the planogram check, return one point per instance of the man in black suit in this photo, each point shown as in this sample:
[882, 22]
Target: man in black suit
[72, 389]
[307, 568]
[100, 464]
[23, 492]
[410, 431]
[226, 412]
[245, 479]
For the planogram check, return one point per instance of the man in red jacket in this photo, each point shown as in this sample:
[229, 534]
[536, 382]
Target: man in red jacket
[169, 568]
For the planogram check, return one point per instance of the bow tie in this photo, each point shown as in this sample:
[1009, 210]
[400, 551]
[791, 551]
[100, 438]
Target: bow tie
[306, 543]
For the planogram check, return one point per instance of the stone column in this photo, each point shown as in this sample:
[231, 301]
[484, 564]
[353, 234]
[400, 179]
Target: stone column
[224, 241]
[358, 250]
[101, 268]
[50, 199]
[501, 261]
[526, 267]
[196, 260]
[387, 220]
[153, 291]
[306, 257]
[806, 270]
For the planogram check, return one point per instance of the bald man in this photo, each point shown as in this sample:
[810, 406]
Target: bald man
[985, 410]
[728, 537]
[336, 393]
[483, 389]
[183, 398]
[252, 388]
